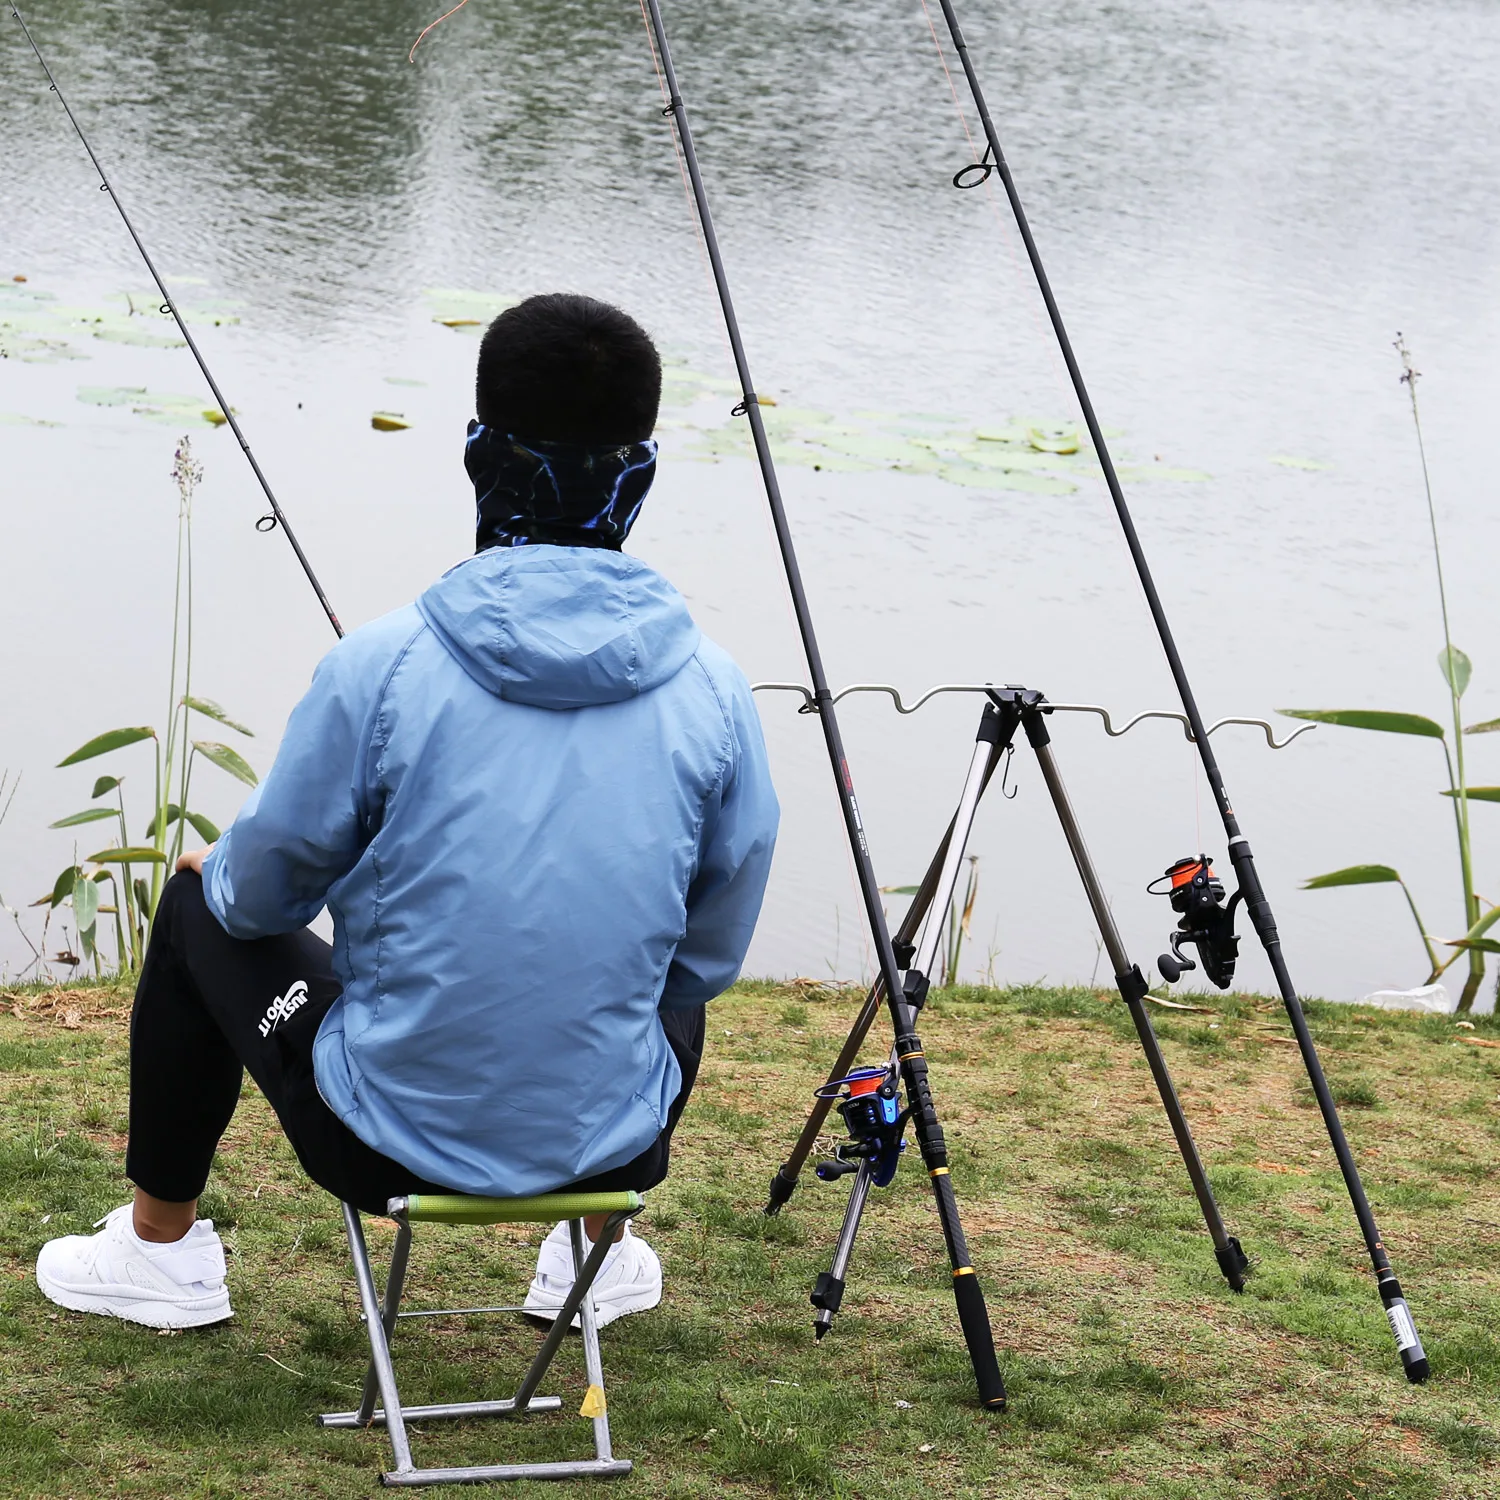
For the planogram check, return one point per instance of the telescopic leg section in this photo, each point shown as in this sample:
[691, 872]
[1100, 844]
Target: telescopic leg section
[828, 1291]
[1231, 1258]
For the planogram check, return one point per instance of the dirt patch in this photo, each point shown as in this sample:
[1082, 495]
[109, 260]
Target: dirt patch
[74, 1009]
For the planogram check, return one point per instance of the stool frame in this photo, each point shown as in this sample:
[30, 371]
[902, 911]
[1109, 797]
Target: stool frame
[380, 1322]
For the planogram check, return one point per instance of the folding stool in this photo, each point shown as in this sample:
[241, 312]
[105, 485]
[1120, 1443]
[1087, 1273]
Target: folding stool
[380, 1323]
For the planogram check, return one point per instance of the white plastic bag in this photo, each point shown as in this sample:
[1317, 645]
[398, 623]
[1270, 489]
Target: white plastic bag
[1433, 998]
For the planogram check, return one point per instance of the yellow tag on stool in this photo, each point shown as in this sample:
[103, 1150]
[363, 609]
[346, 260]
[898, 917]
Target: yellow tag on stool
[593, 1402]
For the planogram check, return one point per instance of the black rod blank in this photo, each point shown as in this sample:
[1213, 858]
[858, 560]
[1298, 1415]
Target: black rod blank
[169, 304]
[973, 1316]
[1408, 1344]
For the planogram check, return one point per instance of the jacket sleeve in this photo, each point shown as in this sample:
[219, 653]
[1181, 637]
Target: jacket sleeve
[739, 838]
[308, 822]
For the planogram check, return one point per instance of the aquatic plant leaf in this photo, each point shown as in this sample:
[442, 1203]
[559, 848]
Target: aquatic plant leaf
[214, 711]
[389, 421]
[1368, 718]
[402, 380]
[1456, 669]
[111, 395]
[1054, 439]
[1005, 479]
[142, 337]
[103, 785]
[465, 311]
[173, 813]
[1484, 945]
[207, 831]
[88, 815]
[995, 456]
[62, 887]
[1482, 926]
[85, 902]
[1490, 726]
[134, 854]
[1474, 794]
[1288, 462]
[157, 406]
[226, 759]
[102, 744]
[20, 419]
[1353, 875]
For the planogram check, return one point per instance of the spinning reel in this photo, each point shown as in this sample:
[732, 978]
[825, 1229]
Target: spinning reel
[876, 1122]
[1206, 921]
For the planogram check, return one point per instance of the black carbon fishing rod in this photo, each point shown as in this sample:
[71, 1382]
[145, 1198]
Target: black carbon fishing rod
[1408, 1344]
[972, 1314]
[276, 517]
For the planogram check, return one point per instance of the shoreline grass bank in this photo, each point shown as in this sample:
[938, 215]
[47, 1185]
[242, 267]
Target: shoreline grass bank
[1132, 1369]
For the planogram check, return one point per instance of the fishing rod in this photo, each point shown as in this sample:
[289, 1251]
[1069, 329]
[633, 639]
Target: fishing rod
[972, 1314]
[1408, 1344]
[276, 517]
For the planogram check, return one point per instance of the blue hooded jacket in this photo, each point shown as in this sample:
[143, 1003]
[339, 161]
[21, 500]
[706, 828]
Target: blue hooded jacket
[537, 804]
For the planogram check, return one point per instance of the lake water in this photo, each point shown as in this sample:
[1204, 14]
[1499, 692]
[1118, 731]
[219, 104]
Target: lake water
[1239, 204]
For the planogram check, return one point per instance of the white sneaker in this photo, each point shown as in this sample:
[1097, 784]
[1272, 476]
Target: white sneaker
[120, 1275]
[629, 1280]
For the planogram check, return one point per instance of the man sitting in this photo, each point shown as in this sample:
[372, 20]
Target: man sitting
[536, 803]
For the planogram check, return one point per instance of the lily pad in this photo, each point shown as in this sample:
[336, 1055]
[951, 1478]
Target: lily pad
[1054, 439]
[1288, 462]
[156, 406]
[389, 421]
[20, 419]
[466, 311]
[403, 380]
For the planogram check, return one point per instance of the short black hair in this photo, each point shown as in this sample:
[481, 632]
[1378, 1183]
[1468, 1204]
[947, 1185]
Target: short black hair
[568, 368]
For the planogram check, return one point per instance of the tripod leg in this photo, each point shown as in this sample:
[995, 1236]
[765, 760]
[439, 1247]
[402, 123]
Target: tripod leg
[986, 757]
[828, 1291]
[1231, 1258]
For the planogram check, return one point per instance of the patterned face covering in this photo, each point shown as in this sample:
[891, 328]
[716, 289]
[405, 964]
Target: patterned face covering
[568, 494]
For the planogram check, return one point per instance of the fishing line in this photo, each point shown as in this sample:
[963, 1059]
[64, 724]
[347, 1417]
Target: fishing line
[275, 517]
[411, 56]
[1257, 907]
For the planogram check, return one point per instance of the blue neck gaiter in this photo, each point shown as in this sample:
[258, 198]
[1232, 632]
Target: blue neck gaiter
[568, 494]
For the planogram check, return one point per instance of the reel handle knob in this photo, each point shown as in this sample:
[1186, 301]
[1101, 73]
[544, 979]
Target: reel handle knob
[1172, 967]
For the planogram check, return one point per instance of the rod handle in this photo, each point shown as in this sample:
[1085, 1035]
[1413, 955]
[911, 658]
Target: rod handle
[974, 1319]
[1408, 1344]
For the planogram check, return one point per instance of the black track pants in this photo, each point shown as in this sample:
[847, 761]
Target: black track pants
[209, 1006]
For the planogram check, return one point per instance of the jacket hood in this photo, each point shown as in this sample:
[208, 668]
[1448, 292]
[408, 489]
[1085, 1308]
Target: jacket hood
[561, 627]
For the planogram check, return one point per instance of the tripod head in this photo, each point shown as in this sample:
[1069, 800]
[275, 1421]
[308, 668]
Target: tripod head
[1206, 921]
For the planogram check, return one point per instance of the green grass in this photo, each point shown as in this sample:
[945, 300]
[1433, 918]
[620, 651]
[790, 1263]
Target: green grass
[1133, 1371]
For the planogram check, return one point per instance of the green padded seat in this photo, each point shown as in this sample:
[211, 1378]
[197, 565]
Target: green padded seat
[454, 1208]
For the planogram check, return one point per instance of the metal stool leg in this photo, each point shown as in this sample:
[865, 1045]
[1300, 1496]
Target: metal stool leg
[394, 1282]
[380, 1349]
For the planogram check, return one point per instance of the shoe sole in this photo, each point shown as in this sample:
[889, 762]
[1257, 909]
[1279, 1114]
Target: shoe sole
[606, 1312]
[204, 1311]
